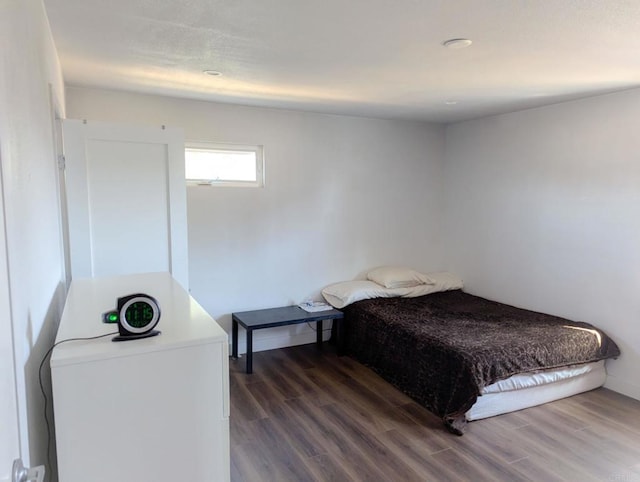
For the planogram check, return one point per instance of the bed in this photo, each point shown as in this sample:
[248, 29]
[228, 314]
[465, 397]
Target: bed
[464, 357]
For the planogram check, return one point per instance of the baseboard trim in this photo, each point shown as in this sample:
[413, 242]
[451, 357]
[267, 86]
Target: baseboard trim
[263, 342]
[620, 386]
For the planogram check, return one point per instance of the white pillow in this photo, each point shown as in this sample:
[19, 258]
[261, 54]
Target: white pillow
[421, 290]
[398, 277]
[344, 293]
[446, 281]
[443, 281]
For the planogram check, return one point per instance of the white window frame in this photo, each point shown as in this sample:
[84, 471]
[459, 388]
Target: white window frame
[215, 146]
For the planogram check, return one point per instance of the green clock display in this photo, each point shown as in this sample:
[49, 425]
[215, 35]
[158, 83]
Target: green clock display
[136, 316]
[139, 314]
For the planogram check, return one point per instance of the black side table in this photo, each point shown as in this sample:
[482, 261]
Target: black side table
[272, 317]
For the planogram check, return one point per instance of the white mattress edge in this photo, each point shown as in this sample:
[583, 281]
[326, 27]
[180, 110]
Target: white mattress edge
[541, 377]
[497, 403]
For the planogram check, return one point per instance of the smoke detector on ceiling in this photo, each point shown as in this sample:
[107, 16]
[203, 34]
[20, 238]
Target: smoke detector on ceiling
[457, 43]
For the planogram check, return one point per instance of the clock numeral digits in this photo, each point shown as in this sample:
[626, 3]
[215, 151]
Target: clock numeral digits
[148, 312]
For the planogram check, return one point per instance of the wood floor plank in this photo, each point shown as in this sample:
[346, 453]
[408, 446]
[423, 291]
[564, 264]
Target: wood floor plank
[461, 468]
[507, 448]
[245, 405]
[309, 415]
[610, 428]
[415, 455]
[333, 467]
[370, 446]
[371, 380]
[557, 450]
[424, 428]
[486, 465]
[508, 421]
[537, 468]
[335, 439]
[284, 456]
[254, 462]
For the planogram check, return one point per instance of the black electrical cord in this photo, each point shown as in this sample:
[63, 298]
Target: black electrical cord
[44, 394]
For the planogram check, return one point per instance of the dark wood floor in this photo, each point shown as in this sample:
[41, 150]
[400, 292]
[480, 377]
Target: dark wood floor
[306, 415]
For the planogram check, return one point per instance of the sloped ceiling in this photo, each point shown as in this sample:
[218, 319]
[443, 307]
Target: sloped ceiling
[376, 58]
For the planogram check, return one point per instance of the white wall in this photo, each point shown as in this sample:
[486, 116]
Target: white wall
[33, 271]
[342, 195]
[543, 211]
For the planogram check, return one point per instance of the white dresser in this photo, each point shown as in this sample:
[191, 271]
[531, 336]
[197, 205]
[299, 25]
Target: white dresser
[155, 409]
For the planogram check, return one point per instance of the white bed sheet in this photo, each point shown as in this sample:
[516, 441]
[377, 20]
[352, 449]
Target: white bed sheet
[531, 389]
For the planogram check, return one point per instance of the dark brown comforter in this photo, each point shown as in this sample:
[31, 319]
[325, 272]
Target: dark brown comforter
[443, 348]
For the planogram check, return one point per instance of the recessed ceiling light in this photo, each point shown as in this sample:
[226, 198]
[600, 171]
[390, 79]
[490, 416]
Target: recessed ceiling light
[451, 102]
[215, 73]
[457, 43]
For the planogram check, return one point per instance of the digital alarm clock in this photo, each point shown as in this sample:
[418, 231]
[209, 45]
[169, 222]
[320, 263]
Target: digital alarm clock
[136, 316]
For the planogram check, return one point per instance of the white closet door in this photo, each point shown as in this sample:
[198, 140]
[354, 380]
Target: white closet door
[126, 198]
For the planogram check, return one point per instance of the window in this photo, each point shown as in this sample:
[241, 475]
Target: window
[224, 164]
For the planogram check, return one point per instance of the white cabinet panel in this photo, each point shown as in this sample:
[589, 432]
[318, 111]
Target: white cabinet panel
[128, 213]
[126, 199]
[154, 409]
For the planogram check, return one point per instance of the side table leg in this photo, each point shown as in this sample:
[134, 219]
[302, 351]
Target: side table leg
[340, 336]
[319, 334]
[249, 351]
[234, 339]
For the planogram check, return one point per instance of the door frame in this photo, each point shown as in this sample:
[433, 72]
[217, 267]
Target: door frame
[61, 183]
[10, 433]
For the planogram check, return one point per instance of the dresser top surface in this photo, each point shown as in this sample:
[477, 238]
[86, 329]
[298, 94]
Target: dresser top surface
[183, 322]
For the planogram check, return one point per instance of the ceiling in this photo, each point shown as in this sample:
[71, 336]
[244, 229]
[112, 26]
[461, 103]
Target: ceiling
[375, 58]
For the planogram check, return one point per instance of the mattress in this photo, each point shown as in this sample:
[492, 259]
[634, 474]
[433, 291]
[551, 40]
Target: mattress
[530, 389]
[445, 350]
